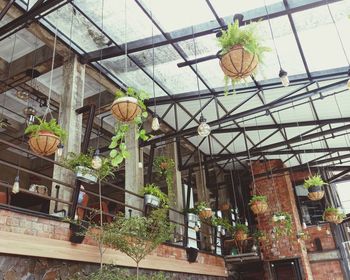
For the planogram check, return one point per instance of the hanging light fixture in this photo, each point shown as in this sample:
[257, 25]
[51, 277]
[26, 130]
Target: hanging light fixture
[60, 149]
[349, 79]
[155, 122]
[203, 128]
[22, 94]
[96, 162]
[304, 225]
[318, 227]
[284, 78]
[15, 187]
[30, 114]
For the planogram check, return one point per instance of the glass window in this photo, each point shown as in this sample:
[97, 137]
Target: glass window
[343, 189]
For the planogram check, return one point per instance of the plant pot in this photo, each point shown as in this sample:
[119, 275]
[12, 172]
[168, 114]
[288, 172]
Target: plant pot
[331, 217]
[238, 63]
[125, 109]
[192, 254]
[224, 207]
[85, 174]
[152, 200]
[241, 235]
[258, 207]
[78, 231]
[221, 230]
[44, 143]
[193, 218]
[315, 193]
[206, 213]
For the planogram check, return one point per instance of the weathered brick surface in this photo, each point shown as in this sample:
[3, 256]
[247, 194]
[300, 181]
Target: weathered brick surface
[324, 235]
[29, 225]
[327, 270]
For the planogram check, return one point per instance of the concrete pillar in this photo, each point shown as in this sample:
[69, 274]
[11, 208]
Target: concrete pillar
[132, 171]
[72, 98]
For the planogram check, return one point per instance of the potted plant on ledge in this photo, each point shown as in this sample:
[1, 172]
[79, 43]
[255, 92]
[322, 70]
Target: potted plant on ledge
[192, 215]
[333, 215]
[222, 225]
[153, 196]
[314, 184]
[240, 232]
[128, 105]
[45, 137]
[241, 52]
[204, 211]
[258, 204]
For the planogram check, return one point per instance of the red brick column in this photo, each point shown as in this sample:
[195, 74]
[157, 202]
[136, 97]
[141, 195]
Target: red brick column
[280, 195]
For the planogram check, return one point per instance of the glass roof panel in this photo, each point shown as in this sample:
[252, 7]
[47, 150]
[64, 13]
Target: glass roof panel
[173, 15]
[138, 24]
[324, 52]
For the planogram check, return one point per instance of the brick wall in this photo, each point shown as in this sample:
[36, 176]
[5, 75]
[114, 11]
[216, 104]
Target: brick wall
[324, 234]
[42, 227]
[327, 270]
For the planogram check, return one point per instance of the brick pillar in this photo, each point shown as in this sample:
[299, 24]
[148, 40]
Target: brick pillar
[280, 194]
[72, 98]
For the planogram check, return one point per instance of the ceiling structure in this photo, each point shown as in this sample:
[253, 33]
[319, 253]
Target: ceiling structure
[304, 125]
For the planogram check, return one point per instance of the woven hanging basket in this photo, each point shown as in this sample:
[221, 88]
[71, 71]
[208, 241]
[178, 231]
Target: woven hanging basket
[125, 109]
[238, 63]
[331, 217]
[205, 214]
[44, 144]
[258, 207]
[316, 195]
[241, 235]
[225, 206]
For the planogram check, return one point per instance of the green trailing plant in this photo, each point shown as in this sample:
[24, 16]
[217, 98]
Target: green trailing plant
[42, 125]
[334, 211]
[191, 211]
[114, 273]
[74, 160]
[200, 206]
[314, 181]
[254, 198]
[246, 37]
[165, 166]
[282, 224]
[153, 189]
[240, 228]
[138, 236]
[118, 147]
[218, 221]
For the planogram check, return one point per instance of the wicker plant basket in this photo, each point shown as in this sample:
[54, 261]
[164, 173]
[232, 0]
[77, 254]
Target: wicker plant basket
[206, 213]
[259, 207]
[125, 109]
[316, 195]
[331, 217]
[225, 206]
[241, 235]
[44, 144]
[238, 63]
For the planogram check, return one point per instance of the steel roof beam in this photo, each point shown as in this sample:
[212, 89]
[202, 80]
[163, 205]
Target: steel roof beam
[5, 10]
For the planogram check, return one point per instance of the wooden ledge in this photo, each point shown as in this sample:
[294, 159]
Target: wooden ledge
[28, 245]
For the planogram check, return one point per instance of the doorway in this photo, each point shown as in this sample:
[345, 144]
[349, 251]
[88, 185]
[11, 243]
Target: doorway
[286, 270]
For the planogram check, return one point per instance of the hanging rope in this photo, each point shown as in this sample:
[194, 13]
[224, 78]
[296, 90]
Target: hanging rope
[125, 36]
[196, 65]
[153, 83]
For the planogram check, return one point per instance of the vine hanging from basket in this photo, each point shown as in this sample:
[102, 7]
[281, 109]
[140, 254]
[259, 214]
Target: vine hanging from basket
[128, 108]
[282, 224]
[241, 52]
[165, 166]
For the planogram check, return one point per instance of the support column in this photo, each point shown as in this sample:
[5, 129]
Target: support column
[132, 171]
[72, 98]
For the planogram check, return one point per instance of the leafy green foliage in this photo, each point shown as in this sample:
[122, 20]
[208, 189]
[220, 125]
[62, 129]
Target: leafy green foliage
[258, 198]
[282, 223]
[225, 223]
[153, 189]
[313, 181]
[191, 210]
[165, 166]
[74, 160]
[200, 206]
[114, 273]
[334, 211]
[138, 236]
[118, 148]
[240, 227]
[51, 126]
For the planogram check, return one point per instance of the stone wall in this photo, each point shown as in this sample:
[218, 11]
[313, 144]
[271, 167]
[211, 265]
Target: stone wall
[29, 268]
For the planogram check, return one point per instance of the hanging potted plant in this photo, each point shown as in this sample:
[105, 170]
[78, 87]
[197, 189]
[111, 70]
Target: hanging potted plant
[241, 52]
[258, 204]
[164, 166]
[240, 232]
[333, 215]
[118, 147]
[225, 206]
[314, 184]
[282, 223]
[45, 137]
[153, 196]
[204, 211]
[82, 165]
[128, 105]
[192, 215]
[222, 225]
